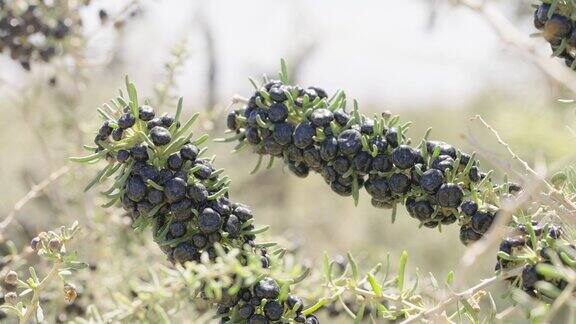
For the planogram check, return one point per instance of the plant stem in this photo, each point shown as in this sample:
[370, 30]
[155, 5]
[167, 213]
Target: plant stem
[38, 290]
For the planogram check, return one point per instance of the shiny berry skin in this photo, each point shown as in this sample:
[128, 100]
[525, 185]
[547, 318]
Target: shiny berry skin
[145, 113]
[443, 163]
[362, 162]
[139, 153]
[189, 152]
[160, 136]
[349, 142]
[450, 195]
[392, 137]
[175, 189]
[341, 164]
[282, 133]
[154, 122]
[445, 149]
[481, 221]
[403, 157]
[295, 303]
[233, 226]
[174, 161]
[329, 148]
[117, 134]
[277, 94]
[267, 288]
[341, 117]
[126, 121]
[378, 188]
[167, 121]
[135, 188]
[122, 156]
[209, 221]
[278, 112]
[399, 183]
[321, 117]
[105, 130]
[469, 207]
[422, 210]
[382, 163]
[303, 135]
[273, 310]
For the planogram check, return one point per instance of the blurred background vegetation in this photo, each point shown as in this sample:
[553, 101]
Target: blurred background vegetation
[436, 66]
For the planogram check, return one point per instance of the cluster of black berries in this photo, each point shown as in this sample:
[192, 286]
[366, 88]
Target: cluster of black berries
[309, 132]
[559, 30]
[164, 181]
[171, 186]
[31, 31]
[260, 304]
[518, 249]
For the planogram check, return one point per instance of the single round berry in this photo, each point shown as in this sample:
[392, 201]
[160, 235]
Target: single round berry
[185, 252]
[278, 112]
[422, 210]
[362, 162]
[382, 163]
[135, 188]
[139, 152]
[273, 310]
[117, 134]
[321, 117]
[233, 226]
[126, 121]
[431, 180]
[209, 221]
[122, 156]
[303, 135]
[378, 188]
[450, 195]
[175, 189]
[341, 117]
[199, 240]
[349, 142]
[282, 133]
[399, 183]
[189, 152]
[295, 303]
[146, 113]
[481, 221]
[267, 288]
[329, 148]
[403, 157]
[469, 207]
[174, 161]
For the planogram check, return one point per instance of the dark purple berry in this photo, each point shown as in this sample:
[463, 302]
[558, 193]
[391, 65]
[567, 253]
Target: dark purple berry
[450, 195]
[209, 221]
[349, 142]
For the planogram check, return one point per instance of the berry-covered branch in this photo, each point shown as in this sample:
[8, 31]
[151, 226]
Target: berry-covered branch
[162, 179]
[439, 185]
